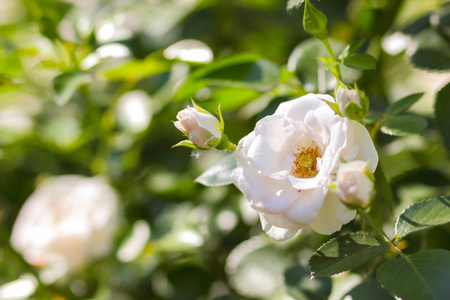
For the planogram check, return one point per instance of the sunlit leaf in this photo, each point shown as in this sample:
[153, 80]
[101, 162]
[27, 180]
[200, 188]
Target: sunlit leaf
[423, 275]
[345, 253]
[442, 113]
[220, 173]
[423, 215]
[404, 125]
[403, 104]
[360, 61]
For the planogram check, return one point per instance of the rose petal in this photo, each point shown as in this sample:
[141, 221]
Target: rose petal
[307, 206]
[278, 234]
[332, 215]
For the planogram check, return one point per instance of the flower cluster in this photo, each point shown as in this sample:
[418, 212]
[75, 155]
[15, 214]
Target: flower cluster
[288, 163]
[305, 165]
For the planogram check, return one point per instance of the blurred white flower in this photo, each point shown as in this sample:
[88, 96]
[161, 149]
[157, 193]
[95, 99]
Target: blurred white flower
[202, 128]
[21, 288]
[396, 43]
[354, 183]
[287, 163]
[134, 111]
[68, 221]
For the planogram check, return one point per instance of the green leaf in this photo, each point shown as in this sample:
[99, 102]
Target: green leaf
[442, 113]
[137, 69]
[421, 276]
[382, 206]
[431, 53]
[313, 74]
[291, 4]
[350, 49]
[240, 71]
[403, 104]
[404, 125]
[220, 173]
[48, 14]
[368, 291]
[425, 214]
[66, 84]
[360, 61]
[345, 253]
[301, 287]
[314, 21]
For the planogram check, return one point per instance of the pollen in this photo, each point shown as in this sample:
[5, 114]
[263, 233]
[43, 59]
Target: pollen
[305, 163]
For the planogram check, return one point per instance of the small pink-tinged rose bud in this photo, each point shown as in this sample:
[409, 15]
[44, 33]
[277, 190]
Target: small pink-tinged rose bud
[354, 183]
[201, 127]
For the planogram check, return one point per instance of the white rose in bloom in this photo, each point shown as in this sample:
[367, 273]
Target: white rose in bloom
[287, 163]
[354, 183]
[202, 128]
[65, 223]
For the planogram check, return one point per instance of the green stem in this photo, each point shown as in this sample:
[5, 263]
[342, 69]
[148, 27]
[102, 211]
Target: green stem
[380, 232]
[336, 69]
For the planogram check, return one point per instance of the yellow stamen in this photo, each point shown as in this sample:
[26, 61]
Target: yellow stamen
[305, 164]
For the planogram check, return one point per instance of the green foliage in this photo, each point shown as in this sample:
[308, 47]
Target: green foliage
[423, 215]
[423, 275]
[404, 125]
[360, 61]
[403, 104]
[302, 287]
[66, 84]
[369, 291]
[442, 112]
[346, 252]
[220, 173]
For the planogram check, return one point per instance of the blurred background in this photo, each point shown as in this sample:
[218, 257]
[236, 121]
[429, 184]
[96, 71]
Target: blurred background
[91, 88]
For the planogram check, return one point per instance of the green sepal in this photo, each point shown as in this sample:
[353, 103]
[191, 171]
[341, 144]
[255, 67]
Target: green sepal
[188, 144]
[225, 144]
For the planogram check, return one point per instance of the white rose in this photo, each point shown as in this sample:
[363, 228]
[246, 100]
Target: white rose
[202, 128]
[354, 183]
[285, 165]
[68, 221]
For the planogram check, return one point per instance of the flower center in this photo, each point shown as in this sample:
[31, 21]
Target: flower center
[305, 163]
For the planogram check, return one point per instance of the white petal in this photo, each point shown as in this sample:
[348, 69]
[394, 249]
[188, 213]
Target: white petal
[209, 123]
[307, 206]
[298, 108]
[358, 135]
[271, 146]
[282, 200]
[278, 234]
[332, 216]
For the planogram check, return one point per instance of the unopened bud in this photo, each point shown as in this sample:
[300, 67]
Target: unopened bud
[354, 183]
[353, 104]
[314, 21]
[201, 127]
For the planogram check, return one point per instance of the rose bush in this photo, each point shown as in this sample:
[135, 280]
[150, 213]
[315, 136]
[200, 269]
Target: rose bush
[68, 221]
[287, 163]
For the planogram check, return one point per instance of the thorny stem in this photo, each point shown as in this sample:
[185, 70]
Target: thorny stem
[380, 232]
